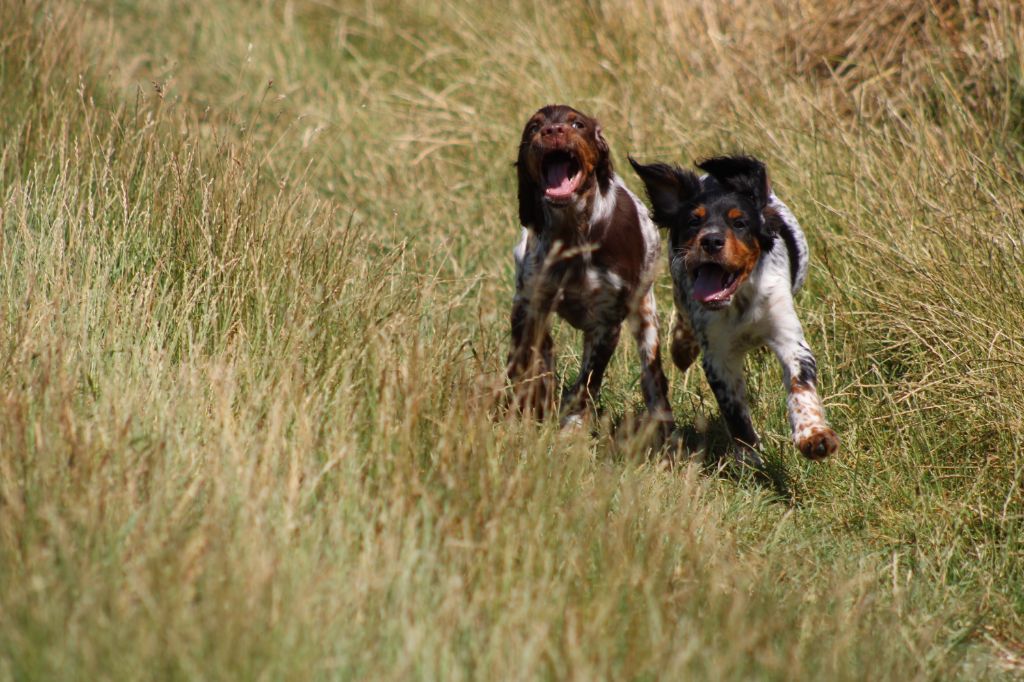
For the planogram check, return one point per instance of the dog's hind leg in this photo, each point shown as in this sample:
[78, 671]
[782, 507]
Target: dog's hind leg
[812, 435]
[643, 322]
[685, 347]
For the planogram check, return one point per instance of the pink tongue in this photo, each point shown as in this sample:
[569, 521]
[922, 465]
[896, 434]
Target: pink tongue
[557, 178]
[710, 280]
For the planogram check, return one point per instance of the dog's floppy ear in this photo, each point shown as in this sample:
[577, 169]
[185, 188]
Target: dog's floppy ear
[604, 159]
[743, 174]
[531, 212]
[668, 188]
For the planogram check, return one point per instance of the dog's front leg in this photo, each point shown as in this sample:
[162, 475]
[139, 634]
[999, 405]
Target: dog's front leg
[644, 325]
[724, 371]
[812, 435]
[598, 346]
[531, 360]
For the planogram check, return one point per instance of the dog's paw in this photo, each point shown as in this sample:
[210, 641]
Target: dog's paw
[572, 422]
[819, 444]
[745, 456]
[663, 426]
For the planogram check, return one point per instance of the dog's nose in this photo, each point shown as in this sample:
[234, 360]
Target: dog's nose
[712, 243]
[553, 129]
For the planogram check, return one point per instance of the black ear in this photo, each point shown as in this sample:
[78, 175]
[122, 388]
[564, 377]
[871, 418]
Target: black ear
[668, 188]
[743, 174]
[531, 212]
[604, 160]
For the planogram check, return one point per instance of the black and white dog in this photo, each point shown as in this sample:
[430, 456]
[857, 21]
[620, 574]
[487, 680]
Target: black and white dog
[737, 256]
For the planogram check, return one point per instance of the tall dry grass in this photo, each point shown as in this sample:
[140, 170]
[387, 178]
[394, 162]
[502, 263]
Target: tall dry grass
[255, 282]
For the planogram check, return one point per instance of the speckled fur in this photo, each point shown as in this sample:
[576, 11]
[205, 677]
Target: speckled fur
[760, 313]
[592, 261]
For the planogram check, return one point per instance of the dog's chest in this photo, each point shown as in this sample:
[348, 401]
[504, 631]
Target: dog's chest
[719, 332]
[591, 296]
[742, 326]
[762, 304]
[582, 292]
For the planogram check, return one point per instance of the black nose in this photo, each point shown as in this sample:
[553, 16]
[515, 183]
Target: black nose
[712, 243]
[553, 129]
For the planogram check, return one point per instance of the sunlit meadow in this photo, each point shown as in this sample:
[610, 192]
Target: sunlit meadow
[256, 271]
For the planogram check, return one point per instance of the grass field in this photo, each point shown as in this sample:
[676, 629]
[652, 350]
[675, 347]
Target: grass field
[255, 281]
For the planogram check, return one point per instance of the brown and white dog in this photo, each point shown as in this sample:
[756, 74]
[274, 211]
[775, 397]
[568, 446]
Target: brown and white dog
[589, 253]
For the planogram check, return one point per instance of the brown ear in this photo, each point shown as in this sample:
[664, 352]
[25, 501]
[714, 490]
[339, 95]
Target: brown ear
[531, 213]
[603, 170]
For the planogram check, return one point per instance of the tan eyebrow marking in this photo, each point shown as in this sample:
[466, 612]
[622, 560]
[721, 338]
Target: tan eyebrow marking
[700, 212]
[734, 213]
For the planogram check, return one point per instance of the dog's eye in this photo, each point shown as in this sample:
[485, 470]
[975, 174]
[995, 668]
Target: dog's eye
[695, 221]
[739, 224]
[578, 124]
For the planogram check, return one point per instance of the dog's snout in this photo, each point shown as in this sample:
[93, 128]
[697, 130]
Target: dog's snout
[553, 129]
[712, 243]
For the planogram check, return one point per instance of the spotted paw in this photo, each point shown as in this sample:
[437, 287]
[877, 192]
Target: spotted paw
[821, 443]
[572, 422]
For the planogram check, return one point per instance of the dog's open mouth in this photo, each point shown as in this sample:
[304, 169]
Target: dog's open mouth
[561, 174]
[713, 285]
